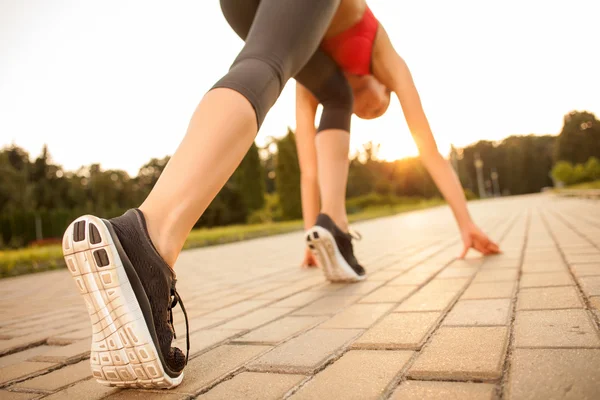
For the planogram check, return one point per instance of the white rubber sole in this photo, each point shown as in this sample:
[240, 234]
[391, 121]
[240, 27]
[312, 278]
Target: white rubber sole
[323, 246]
[123, 353]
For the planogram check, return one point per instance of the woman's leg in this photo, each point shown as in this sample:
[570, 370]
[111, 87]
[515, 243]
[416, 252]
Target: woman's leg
[328, 238]
[282, 38]
[322, 77]
[122, 267]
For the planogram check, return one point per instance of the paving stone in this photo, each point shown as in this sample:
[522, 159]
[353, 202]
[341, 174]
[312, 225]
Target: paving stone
[196, 324]
[279, 330]
[420, 390]
[145, 395]
[555, 328]
[327, 305]
[586, 269]
[595, 302]
[453, 272]
[502, 263]
[561, 374]
[305, 353]
[548, 266]
[62, 354]
[584, 258]
[256, 318]
[496, 275]
[399, 331]
[7, 395]
[23, 355]
[203, 339]
[412, 278]
[479, 312]
[384, 275]
[550, 298]
[298, 300]
[389, 294]
[254, 386]
[58, 378]
[22, 370]
[32, 340]
[462, 353]
[590, 285]
[237, 309]
[218, 301]
[376, 370]
[358, 316]
[280, 293]
[88, 390]
[427, 301]
[453, 285]
[490, 290]
[546, 279]
[215, 364]
[356, 289]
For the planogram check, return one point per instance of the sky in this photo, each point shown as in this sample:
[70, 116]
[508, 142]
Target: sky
[116, 82]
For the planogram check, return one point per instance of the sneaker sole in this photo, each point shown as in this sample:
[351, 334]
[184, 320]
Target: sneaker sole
[323, 246]
[123, 353]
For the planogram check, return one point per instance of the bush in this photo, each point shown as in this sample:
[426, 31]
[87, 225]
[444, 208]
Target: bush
[361, 203]
[470, 195]
[592, 169]
[563, 172]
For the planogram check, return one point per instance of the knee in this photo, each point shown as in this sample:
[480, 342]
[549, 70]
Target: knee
[259, 79]
[338, 101]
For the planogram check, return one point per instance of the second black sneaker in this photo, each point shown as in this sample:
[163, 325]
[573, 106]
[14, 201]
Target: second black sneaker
[334, 251]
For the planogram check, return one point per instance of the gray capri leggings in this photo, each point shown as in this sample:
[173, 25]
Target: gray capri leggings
[282, 41]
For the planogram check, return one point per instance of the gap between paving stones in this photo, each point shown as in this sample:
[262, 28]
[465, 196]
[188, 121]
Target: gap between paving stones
[402, 376]
[393, 384]
[390, 263]
[503, 382]
[586, 301]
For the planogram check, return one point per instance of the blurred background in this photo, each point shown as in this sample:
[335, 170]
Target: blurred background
[95, 96]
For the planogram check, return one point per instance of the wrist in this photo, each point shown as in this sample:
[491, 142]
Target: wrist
[464, 223]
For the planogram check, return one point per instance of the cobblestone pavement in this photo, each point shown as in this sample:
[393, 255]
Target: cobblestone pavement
[522, 325]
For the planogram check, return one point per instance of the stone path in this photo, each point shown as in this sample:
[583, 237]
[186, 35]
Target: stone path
[523, 325]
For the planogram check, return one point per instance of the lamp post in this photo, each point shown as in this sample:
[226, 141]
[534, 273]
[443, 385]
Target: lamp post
[495, 182]
[479, 170]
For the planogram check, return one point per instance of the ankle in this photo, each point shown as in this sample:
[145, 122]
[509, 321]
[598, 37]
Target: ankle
[158, 229]
[339, 218]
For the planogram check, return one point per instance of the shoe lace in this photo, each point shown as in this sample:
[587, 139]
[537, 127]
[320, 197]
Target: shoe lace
[176, 299]
[354, 234]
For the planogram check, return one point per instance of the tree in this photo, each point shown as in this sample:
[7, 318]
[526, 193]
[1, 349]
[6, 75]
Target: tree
[579, 138]
[287, 178]
[563, 172]
[592, 169]
[249, 179]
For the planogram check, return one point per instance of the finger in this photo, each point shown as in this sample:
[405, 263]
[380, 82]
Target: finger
[464, 252]
[480, 248]
[494, 247]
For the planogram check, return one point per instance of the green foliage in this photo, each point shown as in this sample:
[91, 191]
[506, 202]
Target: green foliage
[249, 179]
[469, 195]
[287, 179]
[579, 138]
[523, 164]
[592, 169]
[571, 174]
[36, 259]
[563, 172]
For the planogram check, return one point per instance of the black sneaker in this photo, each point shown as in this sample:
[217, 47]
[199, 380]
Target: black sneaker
[129, 292]
[334, 252]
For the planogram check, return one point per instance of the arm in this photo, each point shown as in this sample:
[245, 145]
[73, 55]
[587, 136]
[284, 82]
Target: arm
[306, 110]
[391, 70]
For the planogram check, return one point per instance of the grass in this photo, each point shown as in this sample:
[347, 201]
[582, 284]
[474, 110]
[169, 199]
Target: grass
[586, 185]
[37, 259]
